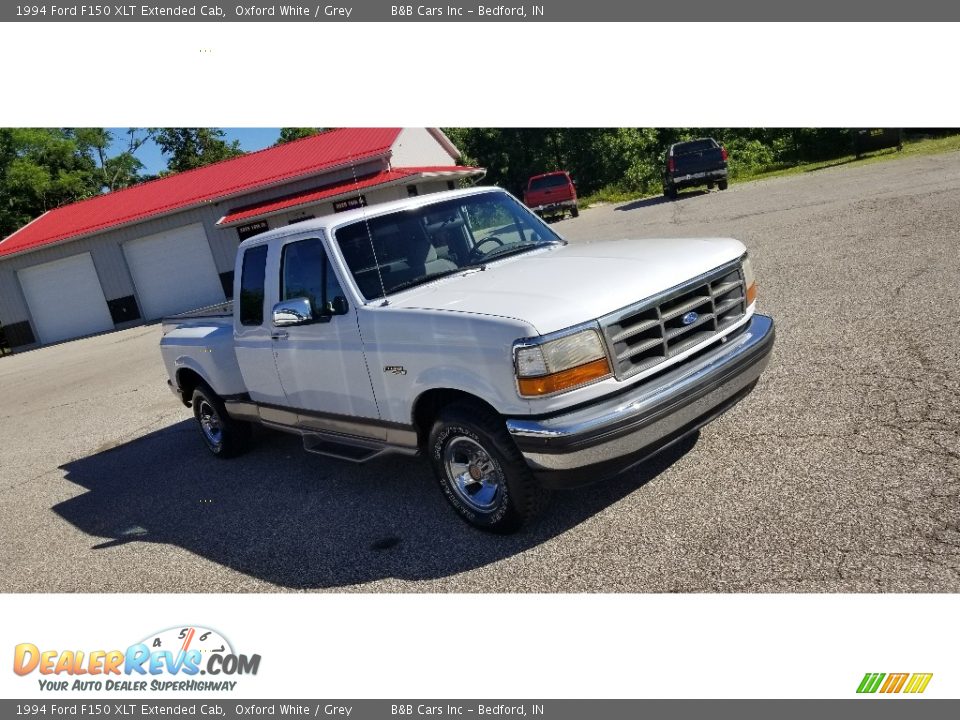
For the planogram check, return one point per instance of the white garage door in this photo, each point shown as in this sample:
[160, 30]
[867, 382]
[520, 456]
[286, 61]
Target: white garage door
[173, 272]
[65, 298]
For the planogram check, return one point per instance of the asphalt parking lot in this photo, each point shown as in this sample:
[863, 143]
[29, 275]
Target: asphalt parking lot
[841, 472]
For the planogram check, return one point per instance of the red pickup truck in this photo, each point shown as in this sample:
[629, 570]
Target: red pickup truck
[552, 193]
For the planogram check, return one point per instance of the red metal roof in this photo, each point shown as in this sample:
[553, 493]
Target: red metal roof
[282, 163]
[313, 195]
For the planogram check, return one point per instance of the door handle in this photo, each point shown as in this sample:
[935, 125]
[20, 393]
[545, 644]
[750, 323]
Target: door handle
[278, 336]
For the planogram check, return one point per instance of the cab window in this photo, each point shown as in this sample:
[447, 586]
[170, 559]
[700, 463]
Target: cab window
[305, 272]
[252, 277]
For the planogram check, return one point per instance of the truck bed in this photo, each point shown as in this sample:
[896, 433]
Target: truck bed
[220, 314]
[224, 309]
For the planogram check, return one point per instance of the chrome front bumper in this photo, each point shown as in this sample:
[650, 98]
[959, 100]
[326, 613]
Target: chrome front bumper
[610, 435]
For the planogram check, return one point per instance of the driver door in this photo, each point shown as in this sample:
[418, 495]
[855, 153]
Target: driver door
[320, 363]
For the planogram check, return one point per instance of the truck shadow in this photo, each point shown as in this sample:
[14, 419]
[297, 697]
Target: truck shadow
[846, 161]
[302, 521]
[660, 200]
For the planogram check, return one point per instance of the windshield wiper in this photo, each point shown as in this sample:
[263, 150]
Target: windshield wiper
[435, 276]
[517, 248]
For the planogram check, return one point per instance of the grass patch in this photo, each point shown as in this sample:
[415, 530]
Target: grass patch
[933, 146]
[927, 146]
[607, 195]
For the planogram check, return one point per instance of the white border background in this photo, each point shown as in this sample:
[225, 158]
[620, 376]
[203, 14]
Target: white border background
[382, 646]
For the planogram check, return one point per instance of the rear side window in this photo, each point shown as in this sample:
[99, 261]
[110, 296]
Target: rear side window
[693, 146]
[548, 181]
[306, 273]
[252, 278]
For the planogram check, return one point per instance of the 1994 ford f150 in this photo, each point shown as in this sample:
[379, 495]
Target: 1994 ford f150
[461, 327]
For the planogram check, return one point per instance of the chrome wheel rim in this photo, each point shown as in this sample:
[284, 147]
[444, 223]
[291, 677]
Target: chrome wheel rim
[472, 474]
[210, 423]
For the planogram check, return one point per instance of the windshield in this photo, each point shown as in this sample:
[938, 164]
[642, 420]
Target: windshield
[694, 146]
[392, 252]
[546, 181]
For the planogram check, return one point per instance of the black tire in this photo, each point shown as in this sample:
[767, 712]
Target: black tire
[709, 186]
[496, 492]
[670, 192]
[574, 211]
[223, 436]
[722, 184]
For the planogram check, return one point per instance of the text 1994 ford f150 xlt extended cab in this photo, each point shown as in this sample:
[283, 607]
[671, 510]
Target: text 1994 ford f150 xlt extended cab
[460, 326]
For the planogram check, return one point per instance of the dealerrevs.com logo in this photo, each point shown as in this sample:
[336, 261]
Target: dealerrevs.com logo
[172, 659]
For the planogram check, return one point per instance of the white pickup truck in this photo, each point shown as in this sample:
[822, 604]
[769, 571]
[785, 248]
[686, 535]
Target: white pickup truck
[461, 327]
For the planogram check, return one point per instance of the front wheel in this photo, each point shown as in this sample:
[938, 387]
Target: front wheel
[224, 436]
[480, 471]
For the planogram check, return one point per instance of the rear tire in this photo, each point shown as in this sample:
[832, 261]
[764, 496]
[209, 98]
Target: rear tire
[574, 211]
[722, 184]
[223, 436]
[480, 470]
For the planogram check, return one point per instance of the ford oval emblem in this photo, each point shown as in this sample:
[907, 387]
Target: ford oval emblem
[690, 318]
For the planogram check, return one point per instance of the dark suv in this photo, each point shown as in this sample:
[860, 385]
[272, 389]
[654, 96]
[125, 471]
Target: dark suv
[694, 163]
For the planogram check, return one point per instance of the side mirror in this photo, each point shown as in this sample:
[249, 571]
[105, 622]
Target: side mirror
[296, 311]
[339, 305]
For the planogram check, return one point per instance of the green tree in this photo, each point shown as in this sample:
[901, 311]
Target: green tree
[44, 168]
[290, 134]
[40, 169]
[596, 157]
[117, 171]
[189, 148]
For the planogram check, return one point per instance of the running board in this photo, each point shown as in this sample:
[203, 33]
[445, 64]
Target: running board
[351, 450]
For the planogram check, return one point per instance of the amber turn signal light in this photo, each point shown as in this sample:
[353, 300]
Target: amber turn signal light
[565, 379]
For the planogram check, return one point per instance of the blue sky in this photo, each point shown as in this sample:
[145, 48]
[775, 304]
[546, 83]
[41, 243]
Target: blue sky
[150, 155]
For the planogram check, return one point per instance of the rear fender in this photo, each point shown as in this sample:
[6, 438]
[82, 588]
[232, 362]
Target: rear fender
[221, 374]
[184, 365]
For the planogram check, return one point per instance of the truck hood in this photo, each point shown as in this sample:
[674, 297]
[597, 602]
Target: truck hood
[561, 286]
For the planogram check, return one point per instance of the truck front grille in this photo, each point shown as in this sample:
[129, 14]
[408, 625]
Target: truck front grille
[653, 331]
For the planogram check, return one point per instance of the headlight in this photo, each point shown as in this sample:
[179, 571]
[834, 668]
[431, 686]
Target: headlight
[749, 280]
[561, 364]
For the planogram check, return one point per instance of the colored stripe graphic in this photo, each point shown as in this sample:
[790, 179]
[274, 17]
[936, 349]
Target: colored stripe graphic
[918, 683]
[895, 682]
[870, 682]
